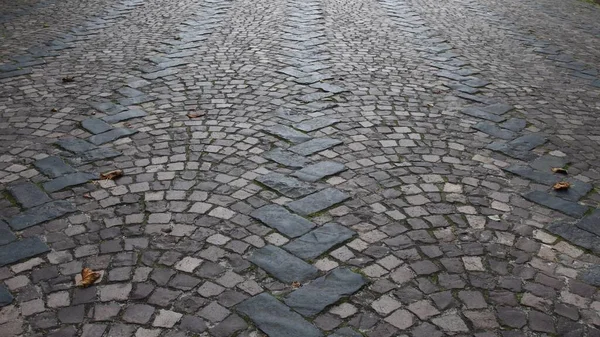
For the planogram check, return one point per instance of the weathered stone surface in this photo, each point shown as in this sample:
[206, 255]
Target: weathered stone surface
[286, 158]
[494, 131]
[40, 214]
[161, 73]
[6, 297]
[345, 332]
[75, 145]
[282, 265]
[287, 133]
[531, 174]
[318, 201]
[111, 135]
[108, 108]
[314, 146]
[514, 124]
[95, 125]
[315, 123]
[519, 148]
[318, 171]
[28, 195]
[477, 112]
[568, 207]
[53, 166]
[22, 249]
[319, 240]
[275, 319]
[6, 235]
[281, 219]
[498, 108]
[125, 115]
[576, 191]
[288, 186]
[590, 223]
[326, 290]
[463, 88]
[591, 276]
[96, 154]
[476, 83]
[71, 179]
[575, 235]
[545, 163]
[328, 87]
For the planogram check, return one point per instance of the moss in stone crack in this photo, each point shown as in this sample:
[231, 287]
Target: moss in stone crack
[10, 198]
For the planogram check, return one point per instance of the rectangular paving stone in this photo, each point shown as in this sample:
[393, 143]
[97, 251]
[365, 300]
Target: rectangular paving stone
[318, 201]
[71, 179]
[40, 214]
[127, 101]
[111, 135]
[520, 147]
[6, 235]
[564, 206]
[100, 153]
[462, 87]
[494, 131]
[108, 108]
[28, 195]
[22, 249]
[334, 89]
[314, 78]
[514, 124]
[531, 174]
[320, 170]
[292, 71]
[315, 123]
[319, 241]
[288, 186]
[282, 265]
[130, 92]
[75, 145]
[315, 96]
[478, 113]
[287, 133]
[275, 319]
[281, 219]
[498, 108]
[6, 297]
[576, 191]
[576, 235]
[161, 73]
[15, 73]
[95, 125]
[125, 115]
[286, 158]
[450, 75]
[476, 83]
[312, 298]
[546, 162]
[591, 223]
[314, 146]
[476, 98]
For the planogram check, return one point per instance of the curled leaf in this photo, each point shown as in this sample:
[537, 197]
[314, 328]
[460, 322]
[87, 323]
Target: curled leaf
[561, 185]
[559, 170]
[88, 277]
[111, 175]
[54, 110]
[68, 79]
[195, 114]
[296, 285]
[87, 196]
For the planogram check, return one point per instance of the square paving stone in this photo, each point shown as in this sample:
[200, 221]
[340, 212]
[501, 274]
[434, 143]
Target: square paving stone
[288, 186]
[591, 223]
[282, 265]
[6, 297]
[314, 146]
[319, 240]
[28, 195]
[286, 158]
[71, 179]
[111, 135]
[53, 166]
[125, 115]
[20, 250]
[315, 123]
[568, 207]
[320, 170]
[276, 319]
[318, 201]
[289, 134]
[95, 125]
[75, 145]
[281, 219]
[312, 298]
[40, 214]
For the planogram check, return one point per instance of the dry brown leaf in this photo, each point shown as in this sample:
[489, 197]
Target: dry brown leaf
[559, 170]
[88, 277]
[296, 285]
[87, 196]
[68, 79]
[195, 114]
[111, 175]
[54, 110]
[562, 185]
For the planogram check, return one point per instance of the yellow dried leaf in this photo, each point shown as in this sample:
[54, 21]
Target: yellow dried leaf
[559, 170]
[111, 175]
[562, 185]
[88, 277]
[296, 285]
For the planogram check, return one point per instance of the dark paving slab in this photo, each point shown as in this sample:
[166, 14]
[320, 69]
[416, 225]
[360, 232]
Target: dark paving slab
[319, 240]
[111, 135]
[318, 201]
[289, 134]
[28, 195]
[286, 158]
[125, 115]
[53, 166]
[6, 297]
[314, 146]
[320, 170]
[564, 206]
[40, 214]
[68, 180]
[22, 249]
[75, 145]
[286, 185]
[282, 265]
[95, 125]
[281, 219]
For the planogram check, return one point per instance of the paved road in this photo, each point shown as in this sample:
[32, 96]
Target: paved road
[300, 168]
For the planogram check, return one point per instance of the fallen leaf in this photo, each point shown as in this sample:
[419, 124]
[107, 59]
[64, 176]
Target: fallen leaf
[68, 79]
[494, 217]
[111, 175]
[559, 170]
[177, 37]
[87, 196]
[562, 185]
[296, 285]
[54, 110]
[88, 277]
[195, 114]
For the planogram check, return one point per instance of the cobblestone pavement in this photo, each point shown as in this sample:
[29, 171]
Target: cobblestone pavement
[300, 168]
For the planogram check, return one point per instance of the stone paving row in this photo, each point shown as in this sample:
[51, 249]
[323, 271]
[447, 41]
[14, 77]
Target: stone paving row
[291, 169]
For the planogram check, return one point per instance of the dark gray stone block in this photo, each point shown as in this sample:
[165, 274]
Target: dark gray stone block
[6, 235]
[288, 186]
[450, 75]
[108, 108]
[462, 88]
[6, 297]
[276, 319]
[328, 87]
[15, 73]
[498, 108]
[568, 207]
[578, 190]
[519, 148]
[95, 155]
[545, 163]
[287, 133]
[345, 332]
[75, 145]
[475, 98]
[292, 71]
[20, 250]
[125, 115]
[318, 171]
[576, 235]
[514, 124]
[28, 195]
[494, 131]
[53, 166]
[282, 265]
[476, 83]
[317, 202]
[312, 298]
[319, 240]
[478, 113]
[315, 96]
[111, 135]
[591, 223]
[130, 92]
[71, 179]
[281, 219]
[591, 276]
[315, 124]
[310, 79]
[161, 73]
[127, 101]
[531, 174]
[40, 214]
[286, 158]
[95, 125]
[314, 146]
